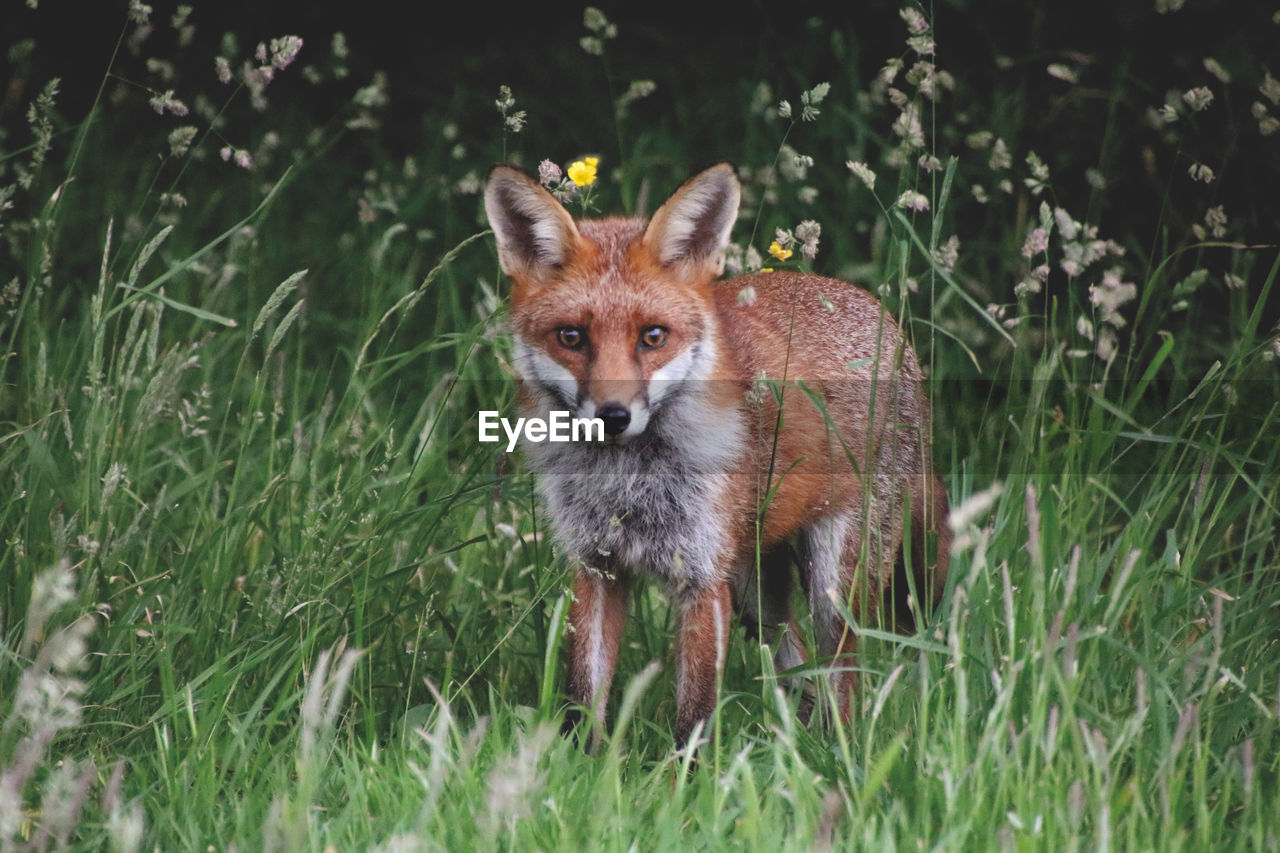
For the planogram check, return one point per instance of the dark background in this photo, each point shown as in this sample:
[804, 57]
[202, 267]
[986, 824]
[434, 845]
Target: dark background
[444, 62]
[435, 54]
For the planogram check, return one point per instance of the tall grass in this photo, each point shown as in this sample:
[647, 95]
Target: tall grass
[263, 589]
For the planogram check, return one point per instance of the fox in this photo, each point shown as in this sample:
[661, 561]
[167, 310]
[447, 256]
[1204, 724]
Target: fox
[757, 429]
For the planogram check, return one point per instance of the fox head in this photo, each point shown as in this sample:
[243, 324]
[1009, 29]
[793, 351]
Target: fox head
[612, 316]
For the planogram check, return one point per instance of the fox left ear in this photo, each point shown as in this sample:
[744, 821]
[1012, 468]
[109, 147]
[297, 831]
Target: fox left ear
[692, 229]
[534, 233]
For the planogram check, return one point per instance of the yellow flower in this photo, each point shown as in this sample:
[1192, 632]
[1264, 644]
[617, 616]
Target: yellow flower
[583, 172]
[778, 252]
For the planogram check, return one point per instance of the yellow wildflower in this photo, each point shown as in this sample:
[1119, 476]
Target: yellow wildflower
[778, 252]
[583, 172]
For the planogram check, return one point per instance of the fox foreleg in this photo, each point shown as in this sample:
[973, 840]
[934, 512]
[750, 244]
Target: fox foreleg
[705, 612]
[596, 618]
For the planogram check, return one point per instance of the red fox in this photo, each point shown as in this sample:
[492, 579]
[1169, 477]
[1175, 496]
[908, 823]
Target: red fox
[747, 421]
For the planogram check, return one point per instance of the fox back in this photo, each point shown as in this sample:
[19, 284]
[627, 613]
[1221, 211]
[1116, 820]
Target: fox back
[749, 423]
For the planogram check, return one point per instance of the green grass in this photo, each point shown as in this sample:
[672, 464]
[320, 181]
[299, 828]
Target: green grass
[261, 588]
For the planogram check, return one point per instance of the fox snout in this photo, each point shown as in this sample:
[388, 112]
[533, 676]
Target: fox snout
[616, 417]
[622, 402]
[623, 419]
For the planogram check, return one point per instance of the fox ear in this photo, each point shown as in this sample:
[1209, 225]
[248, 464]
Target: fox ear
[692, 229]
[535, 234]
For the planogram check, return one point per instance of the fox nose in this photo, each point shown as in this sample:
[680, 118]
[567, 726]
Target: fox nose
[615, 416]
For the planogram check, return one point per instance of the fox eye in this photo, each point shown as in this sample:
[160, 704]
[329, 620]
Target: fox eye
[571, 337]
[653, 337]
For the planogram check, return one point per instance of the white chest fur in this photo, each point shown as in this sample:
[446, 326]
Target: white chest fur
[654, 504]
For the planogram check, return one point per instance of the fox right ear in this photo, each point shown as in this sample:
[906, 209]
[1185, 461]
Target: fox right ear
[691, 231]
[535, 234]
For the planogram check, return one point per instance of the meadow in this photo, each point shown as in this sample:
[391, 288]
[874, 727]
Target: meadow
[261, 588]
